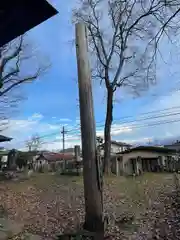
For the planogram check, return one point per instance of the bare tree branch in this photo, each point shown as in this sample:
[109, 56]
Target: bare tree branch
[20, 81]
[34, 143]
[17, 66]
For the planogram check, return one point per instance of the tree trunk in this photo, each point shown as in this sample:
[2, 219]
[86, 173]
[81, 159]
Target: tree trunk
[107, 132]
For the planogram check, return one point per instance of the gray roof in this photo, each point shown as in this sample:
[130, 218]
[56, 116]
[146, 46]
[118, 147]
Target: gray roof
[120, 144]
[173, 144]
[149, 149]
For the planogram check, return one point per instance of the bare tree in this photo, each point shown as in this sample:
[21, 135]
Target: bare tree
[34, 143]
[123, 40]
[19, 64]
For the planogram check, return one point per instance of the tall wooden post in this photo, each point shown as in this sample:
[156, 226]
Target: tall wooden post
[92, 181]
[63, 143]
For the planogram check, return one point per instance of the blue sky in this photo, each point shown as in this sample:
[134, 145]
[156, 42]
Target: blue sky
[52, 100]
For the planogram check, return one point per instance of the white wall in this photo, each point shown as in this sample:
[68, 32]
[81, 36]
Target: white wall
[40, 163]
[115, 149]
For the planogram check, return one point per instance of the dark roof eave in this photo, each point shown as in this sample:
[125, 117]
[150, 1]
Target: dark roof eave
[23, 16]
[5, 139]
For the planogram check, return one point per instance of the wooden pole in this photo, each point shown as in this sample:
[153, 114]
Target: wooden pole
[63, 143]
[92, 183]
[63, 138]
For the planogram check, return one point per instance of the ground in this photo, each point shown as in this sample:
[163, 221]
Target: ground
[50, 204]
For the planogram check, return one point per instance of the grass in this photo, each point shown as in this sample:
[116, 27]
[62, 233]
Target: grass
[140, 190]
[133, 192]
[58, 201]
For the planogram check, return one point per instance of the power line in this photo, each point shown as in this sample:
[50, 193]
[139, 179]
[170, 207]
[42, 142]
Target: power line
[142, 119]
[135, 125]
[146, 113]
[77, 127]
[123, 122]
[77, 130]
[151, 117]
[150, 124]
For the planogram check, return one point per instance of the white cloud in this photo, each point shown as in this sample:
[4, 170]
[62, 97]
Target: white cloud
[65, 120]
[22, 129]
[53, 146]
[15, 126]
[70, 138]
[70, 142]
[116, 129]
[53, 127]
[170, 104]
[138, 141]
[36, 116]
[167, 101]
[77, 120]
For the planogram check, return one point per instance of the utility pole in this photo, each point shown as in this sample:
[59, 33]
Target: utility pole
[91, 171]
[63, 142]
[63, 137]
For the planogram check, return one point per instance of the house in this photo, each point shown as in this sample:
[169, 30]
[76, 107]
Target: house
[116, 147]
[175, 146]
[40, 162]
[145, 159]
[52, 161]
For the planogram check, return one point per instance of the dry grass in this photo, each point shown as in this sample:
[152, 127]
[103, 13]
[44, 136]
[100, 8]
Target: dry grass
[49, 204]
